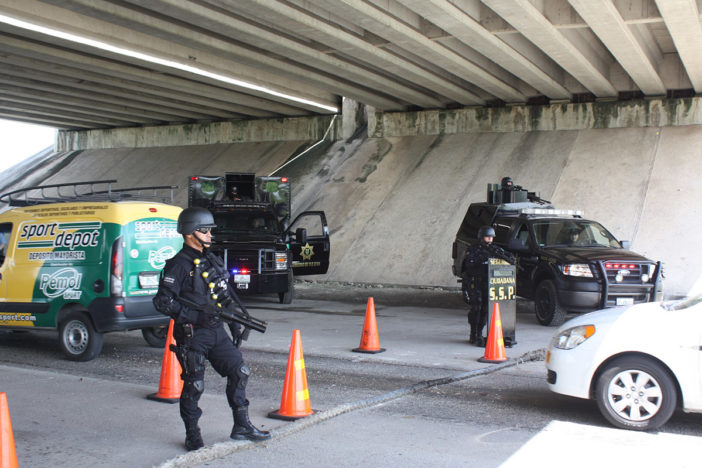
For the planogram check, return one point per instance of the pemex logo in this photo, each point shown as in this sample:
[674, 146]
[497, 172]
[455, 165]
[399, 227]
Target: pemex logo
[64, 282]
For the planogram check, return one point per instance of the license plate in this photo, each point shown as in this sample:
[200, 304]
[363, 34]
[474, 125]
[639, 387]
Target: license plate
[625, 301]
[242, 285]
[242, 279]
[148, 279]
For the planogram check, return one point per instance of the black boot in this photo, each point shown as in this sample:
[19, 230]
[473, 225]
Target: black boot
[193, 438]
[243, 429]
[473, 335]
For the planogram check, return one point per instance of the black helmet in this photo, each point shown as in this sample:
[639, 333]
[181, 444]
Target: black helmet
[194, 218]
[506, 182]
[486, 231]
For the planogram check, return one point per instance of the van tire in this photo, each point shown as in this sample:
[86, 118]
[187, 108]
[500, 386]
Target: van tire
[78, 338]
[155, 336]
[548, 310]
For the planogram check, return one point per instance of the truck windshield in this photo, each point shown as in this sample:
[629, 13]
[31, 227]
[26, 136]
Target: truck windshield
[569, 232]
[245, 222]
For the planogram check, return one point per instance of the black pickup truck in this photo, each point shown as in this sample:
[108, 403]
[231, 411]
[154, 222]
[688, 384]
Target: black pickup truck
[565, 263]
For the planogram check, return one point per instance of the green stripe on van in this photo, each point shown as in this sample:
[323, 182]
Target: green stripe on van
[90, 225]
[30, 244]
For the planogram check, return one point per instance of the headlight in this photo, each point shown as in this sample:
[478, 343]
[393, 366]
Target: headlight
[577, 269]
[572, 337]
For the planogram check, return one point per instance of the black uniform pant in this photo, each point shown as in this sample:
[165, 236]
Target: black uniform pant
[214, 345]
[478, 306]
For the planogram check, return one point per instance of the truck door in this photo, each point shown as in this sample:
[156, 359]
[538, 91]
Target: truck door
[310, 257]
[525, 260]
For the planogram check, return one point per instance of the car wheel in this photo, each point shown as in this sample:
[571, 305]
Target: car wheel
[548, 311]
[78, 338]
[636, 393]
[155, 336]
[287, 296]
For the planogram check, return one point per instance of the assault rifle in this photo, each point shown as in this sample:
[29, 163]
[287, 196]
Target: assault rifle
[223, 301]
[498, 252]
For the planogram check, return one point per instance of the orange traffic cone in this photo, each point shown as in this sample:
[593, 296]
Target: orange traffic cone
[8, 454]
[495, 347]
[295, 403]
[171, 385]
[370, 342]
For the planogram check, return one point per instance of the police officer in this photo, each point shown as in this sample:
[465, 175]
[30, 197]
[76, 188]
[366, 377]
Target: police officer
[475, 280]
[199, 332]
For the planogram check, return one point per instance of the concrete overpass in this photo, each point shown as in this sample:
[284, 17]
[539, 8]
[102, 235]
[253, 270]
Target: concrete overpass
[591, 102]
[85, 64]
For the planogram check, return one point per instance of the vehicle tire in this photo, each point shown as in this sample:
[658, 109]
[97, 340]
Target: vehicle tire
[78, 338]
[155, 336]
[548, 311]
[650, 407]
[287, 296]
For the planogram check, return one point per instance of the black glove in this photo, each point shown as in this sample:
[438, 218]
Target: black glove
[237, 335]
[208, 316]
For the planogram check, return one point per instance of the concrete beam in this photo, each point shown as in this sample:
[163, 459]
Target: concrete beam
[305, 25]
[606, 22]
[682, 17]
[399, 34]
[238, 63]
[630, 114]
[287, 129]
[265, 39]
[470, 32]
[193, 91]
[529, 21]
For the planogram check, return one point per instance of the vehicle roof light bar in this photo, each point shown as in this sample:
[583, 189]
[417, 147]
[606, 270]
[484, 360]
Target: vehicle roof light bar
[550, 211]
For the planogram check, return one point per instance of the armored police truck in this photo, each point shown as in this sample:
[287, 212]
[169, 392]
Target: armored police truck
[566, 263]
[85, 259]
[261, 248]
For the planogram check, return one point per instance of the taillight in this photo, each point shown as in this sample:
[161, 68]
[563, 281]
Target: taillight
[281, 260]
[116, 268]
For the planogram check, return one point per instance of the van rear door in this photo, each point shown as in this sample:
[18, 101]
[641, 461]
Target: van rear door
[147, 244]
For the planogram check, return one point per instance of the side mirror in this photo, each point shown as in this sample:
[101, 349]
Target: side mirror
[516, 245]
[626, 245]
[301, 235]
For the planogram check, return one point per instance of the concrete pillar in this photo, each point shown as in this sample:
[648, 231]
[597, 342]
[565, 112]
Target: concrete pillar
[353, 115]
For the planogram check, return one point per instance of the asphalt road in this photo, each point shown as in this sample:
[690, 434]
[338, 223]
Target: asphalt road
[484, 420]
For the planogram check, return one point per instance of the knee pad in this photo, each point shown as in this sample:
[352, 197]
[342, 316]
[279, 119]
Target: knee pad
[241, 376]
[192, 389]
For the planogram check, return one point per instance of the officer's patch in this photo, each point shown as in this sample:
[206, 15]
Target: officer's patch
[169, 279]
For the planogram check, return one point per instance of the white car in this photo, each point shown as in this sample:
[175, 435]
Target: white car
[639, 363]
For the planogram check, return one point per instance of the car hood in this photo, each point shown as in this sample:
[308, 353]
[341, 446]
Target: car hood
[598, 317]
[592, 254]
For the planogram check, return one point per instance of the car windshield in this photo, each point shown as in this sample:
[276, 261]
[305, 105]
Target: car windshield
[572, 233]
[245, 222]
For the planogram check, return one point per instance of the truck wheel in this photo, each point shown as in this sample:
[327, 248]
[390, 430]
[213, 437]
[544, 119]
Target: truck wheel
[636, 393]
[287, 296]
[155, 336]
[78, 338]
[548, 311]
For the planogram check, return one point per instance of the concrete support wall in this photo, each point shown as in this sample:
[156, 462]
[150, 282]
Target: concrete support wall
[395, 201]
[238, 131]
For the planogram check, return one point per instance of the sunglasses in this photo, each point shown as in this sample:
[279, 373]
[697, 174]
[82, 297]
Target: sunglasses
[204, 230]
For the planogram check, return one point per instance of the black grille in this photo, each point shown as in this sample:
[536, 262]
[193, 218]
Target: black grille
[624, 282]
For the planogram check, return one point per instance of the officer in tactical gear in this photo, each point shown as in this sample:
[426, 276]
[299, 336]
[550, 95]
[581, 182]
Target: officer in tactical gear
[475, 280]
[200, 333]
